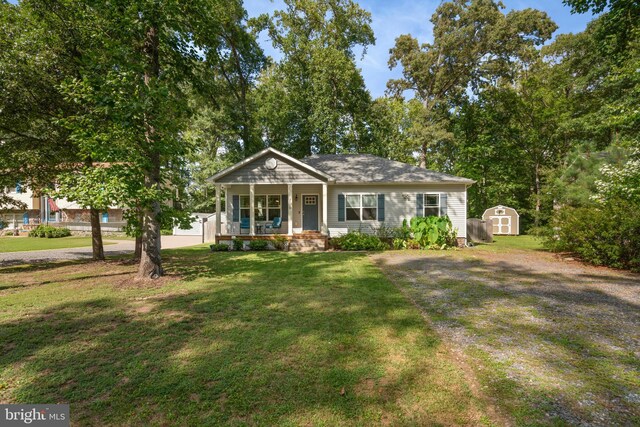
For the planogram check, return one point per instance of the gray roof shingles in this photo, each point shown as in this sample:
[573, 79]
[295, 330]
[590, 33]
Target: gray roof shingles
[362, 168]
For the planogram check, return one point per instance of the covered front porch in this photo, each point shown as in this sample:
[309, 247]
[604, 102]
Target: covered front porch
[297, 211]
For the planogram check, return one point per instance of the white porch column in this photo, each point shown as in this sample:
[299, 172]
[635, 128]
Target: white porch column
[218, 212]
[290, 209]
[252, 213]
[324, 229]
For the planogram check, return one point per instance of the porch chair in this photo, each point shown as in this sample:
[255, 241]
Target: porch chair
[245, 224]
[275, 225]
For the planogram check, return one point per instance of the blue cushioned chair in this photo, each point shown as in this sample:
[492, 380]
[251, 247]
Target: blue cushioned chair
[245, 224]
[275, 225]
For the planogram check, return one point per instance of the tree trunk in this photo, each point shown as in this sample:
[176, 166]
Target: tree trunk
[138, 249]
[96, 235]
[97, 248]
[537, 189]
[150, 260]
[423, 156]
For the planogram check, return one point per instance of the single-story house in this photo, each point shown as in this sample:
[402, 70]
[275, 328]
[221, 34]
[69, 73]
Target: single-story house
[506, 220]
[326, 195]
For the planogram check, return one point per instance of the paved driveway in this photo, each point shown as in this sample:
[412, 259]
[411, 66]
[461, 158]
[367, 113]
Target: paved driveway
[120, 248]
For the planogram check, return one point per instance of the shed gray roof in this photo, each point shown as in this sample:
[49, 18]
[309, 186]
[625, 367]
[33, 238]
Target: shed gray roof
[366, 168]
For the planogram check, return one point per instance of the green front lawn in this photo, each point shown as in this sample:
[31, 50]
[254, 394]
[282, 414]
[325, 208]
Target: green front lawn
[228, 338]
[502, 243]
[22, 244]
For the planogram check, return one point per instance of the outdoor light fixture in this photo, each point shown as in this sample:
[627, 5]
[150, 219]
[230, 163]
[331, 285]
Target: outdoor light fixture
[296, 197]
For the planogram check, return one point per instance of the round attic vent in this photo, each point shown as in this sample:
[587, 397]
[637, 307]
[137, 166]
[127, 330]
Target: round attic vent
[271, 163]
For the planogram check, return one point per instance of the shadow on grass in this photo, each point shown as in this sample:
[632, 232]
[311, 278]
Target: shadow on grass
[568, 339]
[244, 338]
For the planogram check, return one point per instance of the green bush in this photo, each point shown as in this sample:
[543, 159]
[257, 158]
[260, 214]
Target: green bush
[358, 241]
[49, 231]
[166, 232]
[600, 235]
[238, 244]
[279, 242]
[402, 237]
[433, 232]
[258, 245]
[399, 243]
[219, 247]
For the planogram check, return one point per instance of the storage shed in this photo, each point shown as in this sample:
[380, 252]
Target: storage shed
[196, 225]
[506, 220]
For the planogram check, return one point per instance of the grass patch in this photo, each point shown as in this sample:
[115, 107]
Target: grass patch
[227, 338]
[24, 244]
[502, 243]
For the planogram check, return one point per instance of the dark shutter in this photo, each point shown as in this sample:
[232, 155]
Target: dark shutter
[236, 207]
[380, 207]
[420, 204]
[18, 187]
[284, 205]
[443, 205]
[340, 207]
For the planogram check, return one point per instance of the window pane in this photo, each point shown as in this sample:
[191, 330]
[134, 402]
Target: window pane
[244, 201]
[369, 200]
[274, 201]
[260, 206]
[244, 213]
[261, 215]
[353, 214]
[432, 200]
[368, 214]
[274, 213]
[353, 201]
[431, 211]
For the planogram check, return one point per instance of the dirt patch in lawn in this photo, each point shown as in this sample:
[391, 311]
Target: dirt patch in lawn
[551, 339]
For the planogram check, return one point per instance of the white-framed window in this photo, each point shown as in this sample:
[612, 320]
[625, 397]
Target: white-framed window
[245, 206]
[266, 206]
[361, 207]
[432, 204]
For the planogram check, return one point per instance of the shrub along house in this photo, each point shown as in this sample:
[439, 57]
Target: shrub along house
[323, 196]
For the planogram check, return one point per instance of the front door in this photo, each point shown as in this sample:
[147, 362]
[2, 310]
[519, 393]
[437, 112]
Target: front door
[310, 212]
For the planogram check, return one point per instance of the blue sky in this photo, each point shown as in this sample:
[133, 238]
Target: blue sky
[392, 18]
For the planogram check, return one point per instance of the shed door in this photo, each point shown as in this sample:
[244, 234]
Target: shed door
[501, 224]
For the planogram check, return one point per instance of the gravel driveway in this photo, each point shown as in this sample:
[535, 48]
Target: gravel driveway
[120, 248]
[555, 341]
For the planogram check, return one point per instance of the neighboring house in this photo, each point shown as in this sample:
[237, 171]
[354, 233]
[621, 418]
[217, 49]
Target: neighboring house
[328, 195]
[506, 221]
[43, 209]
